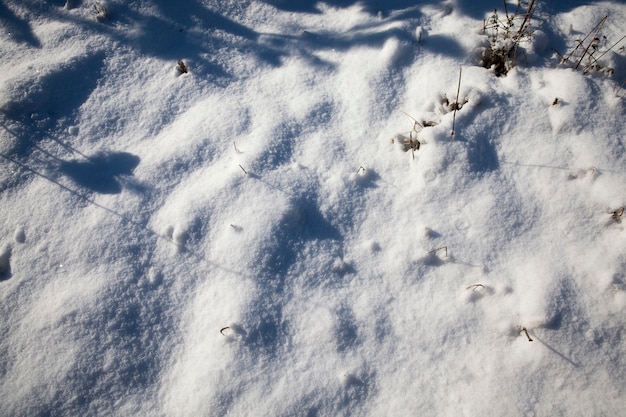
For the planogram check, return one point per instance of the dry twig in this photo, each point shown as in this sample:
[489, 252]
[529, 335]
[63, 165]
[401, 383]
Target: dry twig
[473, 287]
[434, 251]
[456, 103]
[526, 333]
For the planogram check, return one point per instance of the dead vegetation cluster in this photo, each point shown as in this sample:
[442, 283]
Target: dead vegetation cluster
[505, 33]
[588, 54]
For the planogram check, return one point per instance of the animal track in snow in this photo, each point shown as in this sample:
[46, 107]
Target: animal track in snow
[19, 236]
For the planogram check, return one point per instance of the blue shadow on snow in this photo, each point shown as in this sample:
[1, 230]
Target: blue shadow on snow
[482, 155]
[100, 172]
[17, 29]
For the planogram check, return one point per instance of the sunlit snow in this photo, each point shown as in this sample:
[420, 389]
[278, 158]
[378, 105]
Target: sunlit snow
[258, 208]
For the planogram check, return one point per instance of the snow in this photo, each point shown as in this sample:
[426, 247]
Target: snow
[258, 236]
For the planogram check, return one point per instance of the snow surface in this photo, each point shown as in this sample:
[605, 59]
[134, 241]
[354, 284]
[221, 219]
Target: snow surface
[252, 238]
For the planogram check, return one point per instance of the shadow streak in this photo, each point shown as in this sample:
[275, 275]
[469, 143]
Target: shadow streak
[197, 256]
[600, 170]
[562, 356]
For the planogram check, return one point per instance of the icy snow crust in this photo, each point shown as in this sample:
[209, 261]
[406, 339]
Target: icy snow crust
[252, 238]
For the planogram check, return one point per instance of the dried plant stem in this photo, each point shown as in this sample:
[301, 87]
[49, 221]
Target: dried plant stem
[456, 105]
[526, 21]
[243, 169]
[522, 30]
[474, 286]
[526, 333]
[612, 46]
[596, 59]
[416, 124]
[413, 144]
[438, 249]
[595, 35]
[581, 42]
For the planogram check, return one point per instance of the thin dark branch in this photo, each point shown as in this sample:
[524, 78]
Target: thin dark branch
[456, 106]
